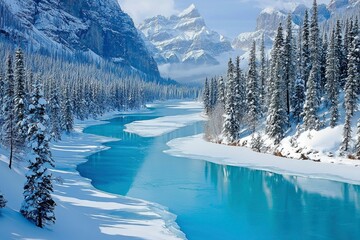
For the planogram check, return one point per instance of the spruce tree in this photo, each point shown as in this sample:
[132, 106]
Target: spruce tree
[206, 97]
[298, 98]
[315, 49]
[252, 98]
[340, 54]
[230, 128]
[67, 113]
[20, 100]
[263, 76]
[305, 49]
[221, 92]
[55, 111]
[351, 86]
[332, 81]
[240, 97]
[8, 128]
[311, 106]
[289, 68]
[213, 93]
[277, 119]
[38, 205]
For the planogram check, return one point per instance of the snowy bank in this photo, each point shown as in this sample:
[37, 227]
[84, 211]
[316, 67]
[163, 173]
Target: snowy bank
[196, 147]
[160, 126]
[82, 211]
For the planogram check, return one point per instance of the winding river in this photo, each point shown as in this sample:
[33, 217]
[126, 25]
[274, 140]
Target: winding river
[214, 201]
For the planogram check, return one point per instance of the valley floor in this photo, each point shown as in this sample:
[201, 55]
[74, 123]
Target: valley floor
[82, 211]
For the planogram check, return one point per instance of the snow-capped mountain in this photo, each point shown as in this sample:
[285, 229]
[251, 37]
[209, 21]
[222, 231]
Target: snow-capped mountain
[184, 38]
[269, 19]
[96, 28]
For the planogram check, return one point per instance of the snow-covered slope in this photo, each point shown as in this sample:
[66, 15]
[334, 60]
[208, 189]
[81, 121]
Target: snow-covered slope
[184, 38]
[82, 211]
[96, 27]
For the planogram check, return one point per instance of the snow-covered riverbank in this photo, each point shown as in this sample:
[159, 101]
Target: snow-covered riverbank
[197, 148]
[82, 211]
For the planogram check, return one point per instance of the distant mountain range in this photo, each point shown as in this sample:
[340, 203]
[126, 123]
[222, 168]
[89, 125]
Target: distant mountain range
[183, 43]
[184, 38]
[269, 19]
[98, 29]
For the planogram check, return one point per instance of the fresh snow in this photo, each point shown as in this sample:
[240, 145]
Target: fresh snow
[82, 211]
[160, 126]
[196, 147]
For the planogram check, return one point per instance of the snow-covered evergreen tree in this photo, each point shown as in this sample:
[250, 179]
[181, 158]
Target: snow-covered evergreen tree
[67, 113]
[230, 128]
[252, 92]
[340, 54]
[315, 49]
[263, 85]
[353, 77]
[289, 64]
[240, 92]
[206, 97]
[277, 119]
[8, 128]
[2, 201]
[311, 106]
[20, 100]
[55, 111]
[221, 92]
[305, 49]
[38, 205]
[332, 80]
[298, 98]
[213, 93]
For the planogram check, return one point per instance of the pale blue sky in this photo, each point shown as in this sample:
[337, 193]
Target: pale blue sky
[228, 17]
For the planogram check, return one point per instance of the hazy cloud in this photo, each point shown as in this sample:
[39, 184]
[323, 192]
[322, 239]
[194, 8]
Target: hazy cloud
[142, 9]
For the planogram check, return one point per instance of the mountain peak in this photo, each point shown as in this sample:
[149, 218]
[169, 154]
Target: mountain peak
[190, 12]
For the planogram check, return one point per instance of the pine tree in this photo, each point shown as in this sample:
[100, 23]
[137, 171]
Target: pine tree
[55, 111]
[2, 201]
[230, 128]
[67, 113]
[277, 120]
[221, 92]
[322, 61]
[240, 97]
[262, 74]
[341, 58]
[332, 80]
[206, 97]
[311, 106]
[213, 93]
[252, 99]
[8, 127]
[20, 100]
[351, 85]
[315, 49]
[305, 49]
[289, 68]
[298, 98]
[38, 205]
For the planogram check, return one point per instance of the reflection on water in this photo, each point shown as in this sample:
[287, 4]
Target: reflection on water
[220, 202]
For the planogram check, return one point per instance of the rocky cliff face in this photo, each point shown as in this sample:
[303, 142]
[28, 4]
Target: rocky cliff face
[184, 38]
[96, 27]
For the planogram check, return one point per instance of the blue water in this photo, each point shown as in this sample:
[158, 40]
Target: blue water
[220, 202]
